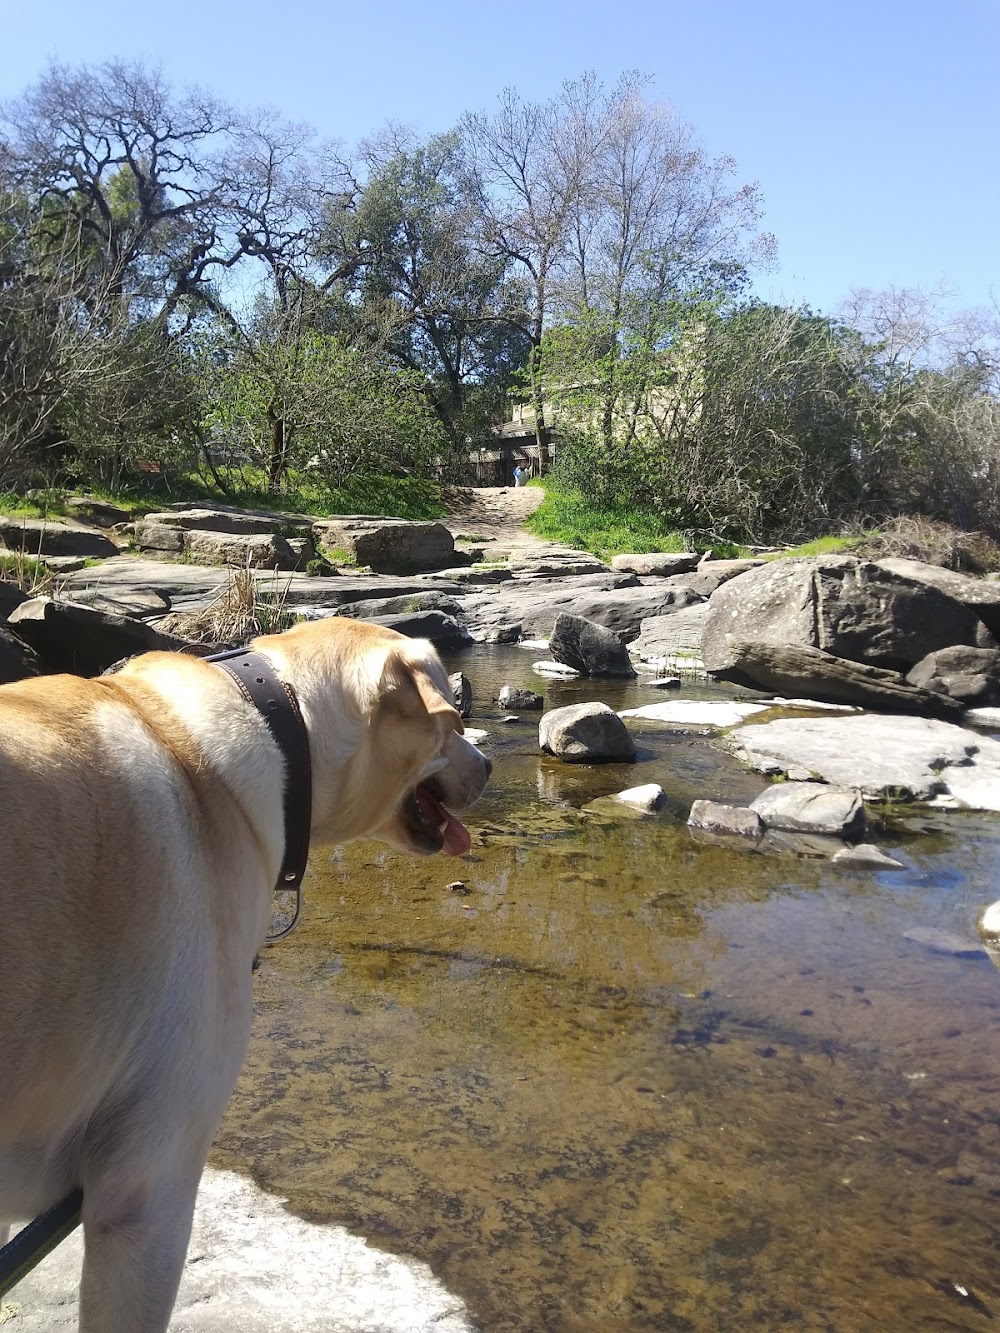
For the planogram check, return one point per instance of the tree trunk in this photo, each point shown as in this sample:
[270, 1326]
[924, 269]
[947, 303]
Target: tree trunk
[538, 403]
[277, 461]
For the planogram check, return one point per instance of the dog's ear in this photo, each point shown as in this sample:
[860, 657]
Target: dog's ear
[412, 687]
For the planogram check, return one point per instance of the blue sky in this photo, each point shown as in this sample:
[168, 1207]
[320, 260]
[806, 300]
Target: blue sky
[872, 128]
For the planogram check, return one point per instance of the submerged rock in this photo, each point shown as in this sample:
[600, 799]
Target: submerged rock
[684, 713]
[944, 941]
[866, 856]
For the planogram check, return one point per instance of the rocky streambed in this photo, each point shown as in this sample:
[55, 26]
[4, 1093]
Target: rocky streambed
[642, 1064]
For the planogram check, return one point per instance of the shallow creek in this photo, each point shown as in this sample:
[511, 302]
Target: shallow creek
[625, 1080]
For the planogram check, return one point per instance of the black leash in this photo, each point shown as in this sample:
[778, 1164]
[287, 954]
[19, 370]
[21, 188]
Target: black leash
[30, 1246]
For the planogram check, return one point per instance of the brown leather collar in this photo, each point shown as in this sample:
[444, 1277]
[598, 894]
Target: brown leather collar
[277, 704]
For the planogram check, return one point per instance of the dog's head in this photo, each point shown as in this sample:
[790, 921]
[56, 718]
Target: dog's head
[389, 758]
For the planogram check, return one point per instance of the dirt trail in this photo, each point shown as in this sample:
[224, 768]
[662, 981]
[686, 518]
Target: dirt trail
[496, 513]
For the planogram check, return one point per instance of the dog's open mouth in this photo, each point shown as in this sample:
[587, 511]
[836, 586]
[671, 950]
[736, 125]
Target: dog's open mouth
[433, 828]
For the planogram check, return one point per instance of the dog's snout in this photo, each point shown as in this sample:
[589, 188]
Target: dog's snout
[488, 763]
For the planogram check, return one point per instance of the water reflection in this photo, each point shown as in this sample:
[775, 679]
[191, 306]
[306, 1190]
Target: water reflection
[624, 1080]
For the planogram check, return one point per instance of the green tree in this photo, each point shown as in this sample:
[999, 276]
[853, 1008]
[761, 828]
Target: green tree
[421, 293]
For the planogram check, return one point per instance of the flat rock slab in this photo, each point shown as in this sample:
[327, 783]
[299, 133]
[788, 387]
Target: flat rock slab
[190, 587]
[254, 1267]
[913, 758]
[696, 712]
[657, 563]
[42, 536]
[618, 603]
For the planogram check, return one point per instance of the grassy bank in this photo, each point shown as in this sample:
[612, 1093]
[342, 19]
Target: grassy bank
[394, 497]
[567, 516]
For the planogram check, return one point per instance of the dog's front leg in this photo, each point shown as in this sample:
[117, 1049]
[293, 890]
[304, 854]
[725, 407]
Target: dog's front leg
[136, 1235]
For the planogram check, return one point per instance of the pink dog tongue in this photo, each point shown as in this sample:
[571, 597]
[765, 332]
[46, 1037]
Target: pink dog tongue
[456, 836]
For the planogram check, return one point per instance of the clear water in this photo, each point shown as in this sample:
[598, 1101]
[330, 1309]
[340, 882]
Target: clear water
[625, 1080]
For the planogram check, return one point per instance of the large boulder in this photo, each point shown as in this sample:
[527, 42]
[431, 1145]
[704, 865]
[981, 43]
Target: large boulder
[969, 675]
[982, 595]
[389, 545]
[37, 536]
[586, 734]
[810, 673]
[82, 640]
[153, 534]
[844, 606]
[589, 648]
[253, 550]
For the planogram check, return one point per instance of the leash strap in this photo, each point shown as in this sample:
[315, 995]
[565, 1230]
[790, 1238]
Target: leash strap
[30, 1246]
[278, 705]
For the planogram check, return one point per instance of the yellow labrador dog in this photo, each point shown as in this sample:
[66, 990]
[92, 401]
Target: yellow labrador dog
[141, 836]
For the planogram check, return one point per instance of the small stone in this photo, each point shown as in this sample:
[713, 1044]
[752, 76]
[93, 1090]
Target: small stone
[866, 856]
[512, 697]
[459, 886]
[718, 818]
[475, 735]
[504, 633]
[508, 718]
[650, 796]
[665, 683]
